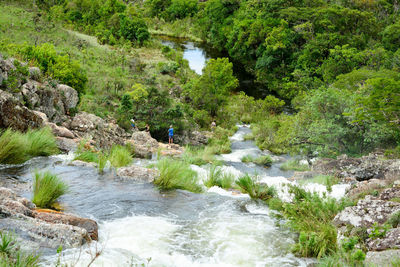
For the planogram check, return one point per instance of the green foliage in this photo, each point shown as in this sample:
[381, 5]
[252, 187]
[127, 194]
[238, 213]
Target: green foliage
[220, 143]
[294, 165]
[255, 190]
[120, 156]
[391, 37]
[311, 216]
[177, 175]
[47, 188]
[17, 147]
[394, 220]
[197, 156]
[172, 9]
[40, 142]
[378, 231]
[216, 177]
[346, 255]
[262, 160]
[212, 88]
[86, 156]
[59, 67]
[11, 255]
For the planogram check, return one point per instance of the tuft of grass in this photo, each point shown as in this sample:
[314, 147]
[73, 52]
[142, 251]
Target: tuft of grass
[101, 162]
[16, 147]
[294, 165]
[41, 142]
[218, 178]
[12, 148]
[262, 160]
[197, 156]
[394, 220]
[247, 159]
[87, 156]
[311, 216]
[47, 188]
[176, 174]
[255, 190]
[10, 254]
[120, 156]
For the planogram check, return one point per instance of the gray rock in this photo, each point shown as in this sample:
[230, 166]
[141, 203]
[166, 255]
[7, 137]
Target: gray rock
[366, 186]
[70, 96]
[66, 144]
[390, 241]
[61, 131]
[143, 143]
[29, 92]
[80, 163]
[34, 73]
[13, 114]
[382, 258]
[367, 212]
[138, 173]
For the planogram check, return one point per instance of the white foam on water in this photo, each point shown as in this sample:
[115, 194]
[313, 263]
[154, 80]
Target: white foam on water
[223, 192]
[65, 158]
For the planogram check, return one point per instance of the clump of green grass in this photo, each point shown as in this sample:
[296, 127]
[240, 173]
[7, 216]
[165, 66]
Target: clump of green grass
[87, 156]
[197, 156]
[255, 190]
[327, 180]
[175, 174]
[102, 159]
[218, 178]
[41, 142]
[12, 148]
[346, 255]
[47, 188]
[294, 165]
[394, 220]
[262, 160]
[120, 156]
[11, 255]
[311, 216]
[16, 147]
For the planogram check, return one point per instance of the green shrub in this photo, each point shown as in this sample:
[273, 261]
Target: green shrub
[255, 190]
[294, 165]
[41, 142]
[379, 231]
[120, 156]
[218, 178]
[176, 174]
[87, 156]
[197, 156]
[12, 148]
[262, 160]
[47, 188]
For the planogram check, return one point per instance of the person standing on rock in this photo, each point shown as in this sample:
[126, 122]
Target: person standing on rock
[133, 124]
[171, 135]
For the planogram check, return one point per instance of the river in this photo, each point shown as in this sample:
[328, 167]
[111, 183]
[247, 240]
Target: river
[197, 54]
[142, 226]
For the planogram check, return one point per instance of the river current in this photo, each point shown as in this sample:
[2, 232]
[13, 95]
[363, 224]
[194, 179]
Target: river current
[140, 225]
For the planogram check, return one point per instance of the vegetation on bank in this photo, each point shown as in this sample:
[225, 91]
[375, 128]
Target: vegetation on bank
[11, 254]
[47, 188]
[294, 165]
[217, 177]
[17, 147]
[261, 160]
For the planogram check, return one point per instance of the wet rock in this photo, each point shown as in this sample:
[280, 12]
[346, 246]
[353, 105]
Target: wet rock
[80, 163]
[303, 175]
[143, 143]
[173, 150]
[69, 219]
[367, 212]
[14, 115]
[381, 258]
[390, 241]
[66, 144]
[138, 173]
[194, 138]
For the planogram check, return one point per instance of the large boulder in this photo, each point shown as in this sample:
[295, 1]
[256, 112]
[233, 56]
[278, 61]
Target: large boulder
[382, 258]
[366, 187]
[69, 219]
[390, 241]
[16, 116]
[70, 96]
[143, 143]
[367, 212]
[29, 92]
[104, 134]
[67, 144]
[60, 131]
[138, 173]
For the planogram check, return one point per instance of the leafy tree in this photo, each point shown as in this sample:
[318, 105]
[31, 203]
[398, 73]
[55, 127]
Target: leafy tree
[180, 9]
[212, 88]
[391, 37]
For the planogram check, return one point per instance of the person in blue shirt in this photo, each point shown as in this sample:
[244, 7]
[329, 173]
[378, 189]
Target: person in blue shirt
[171, 135]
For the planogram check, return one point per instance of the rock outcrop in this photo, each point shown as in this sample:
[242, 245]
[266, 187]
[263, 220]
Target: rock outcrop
[138, 173]
[44, 229]
[381, 258]
[391, 240]
[143, 143]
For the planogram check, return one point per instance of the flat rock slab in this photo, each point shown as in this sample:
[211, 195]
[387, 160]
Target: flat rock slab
[367, 212]
[382, 258]
[138, 173]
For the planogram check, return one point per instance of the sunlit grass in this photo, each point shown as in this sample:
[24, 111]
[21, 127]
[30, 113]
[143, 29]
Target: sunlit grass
[47, 188]
[216, 177]
[255, 190]
[120, 156]
[294, 165]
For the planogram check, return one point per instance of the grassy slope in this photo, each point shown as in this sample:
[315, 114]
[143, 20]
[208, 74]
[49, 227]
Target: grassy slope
[106, 67]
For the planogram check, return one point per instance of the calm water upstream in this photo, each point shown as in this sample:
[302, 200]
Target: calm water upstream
[141, 226]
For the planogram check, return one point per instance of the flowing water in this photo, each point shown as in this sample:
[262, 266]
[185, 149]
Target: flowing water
[141, 226]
